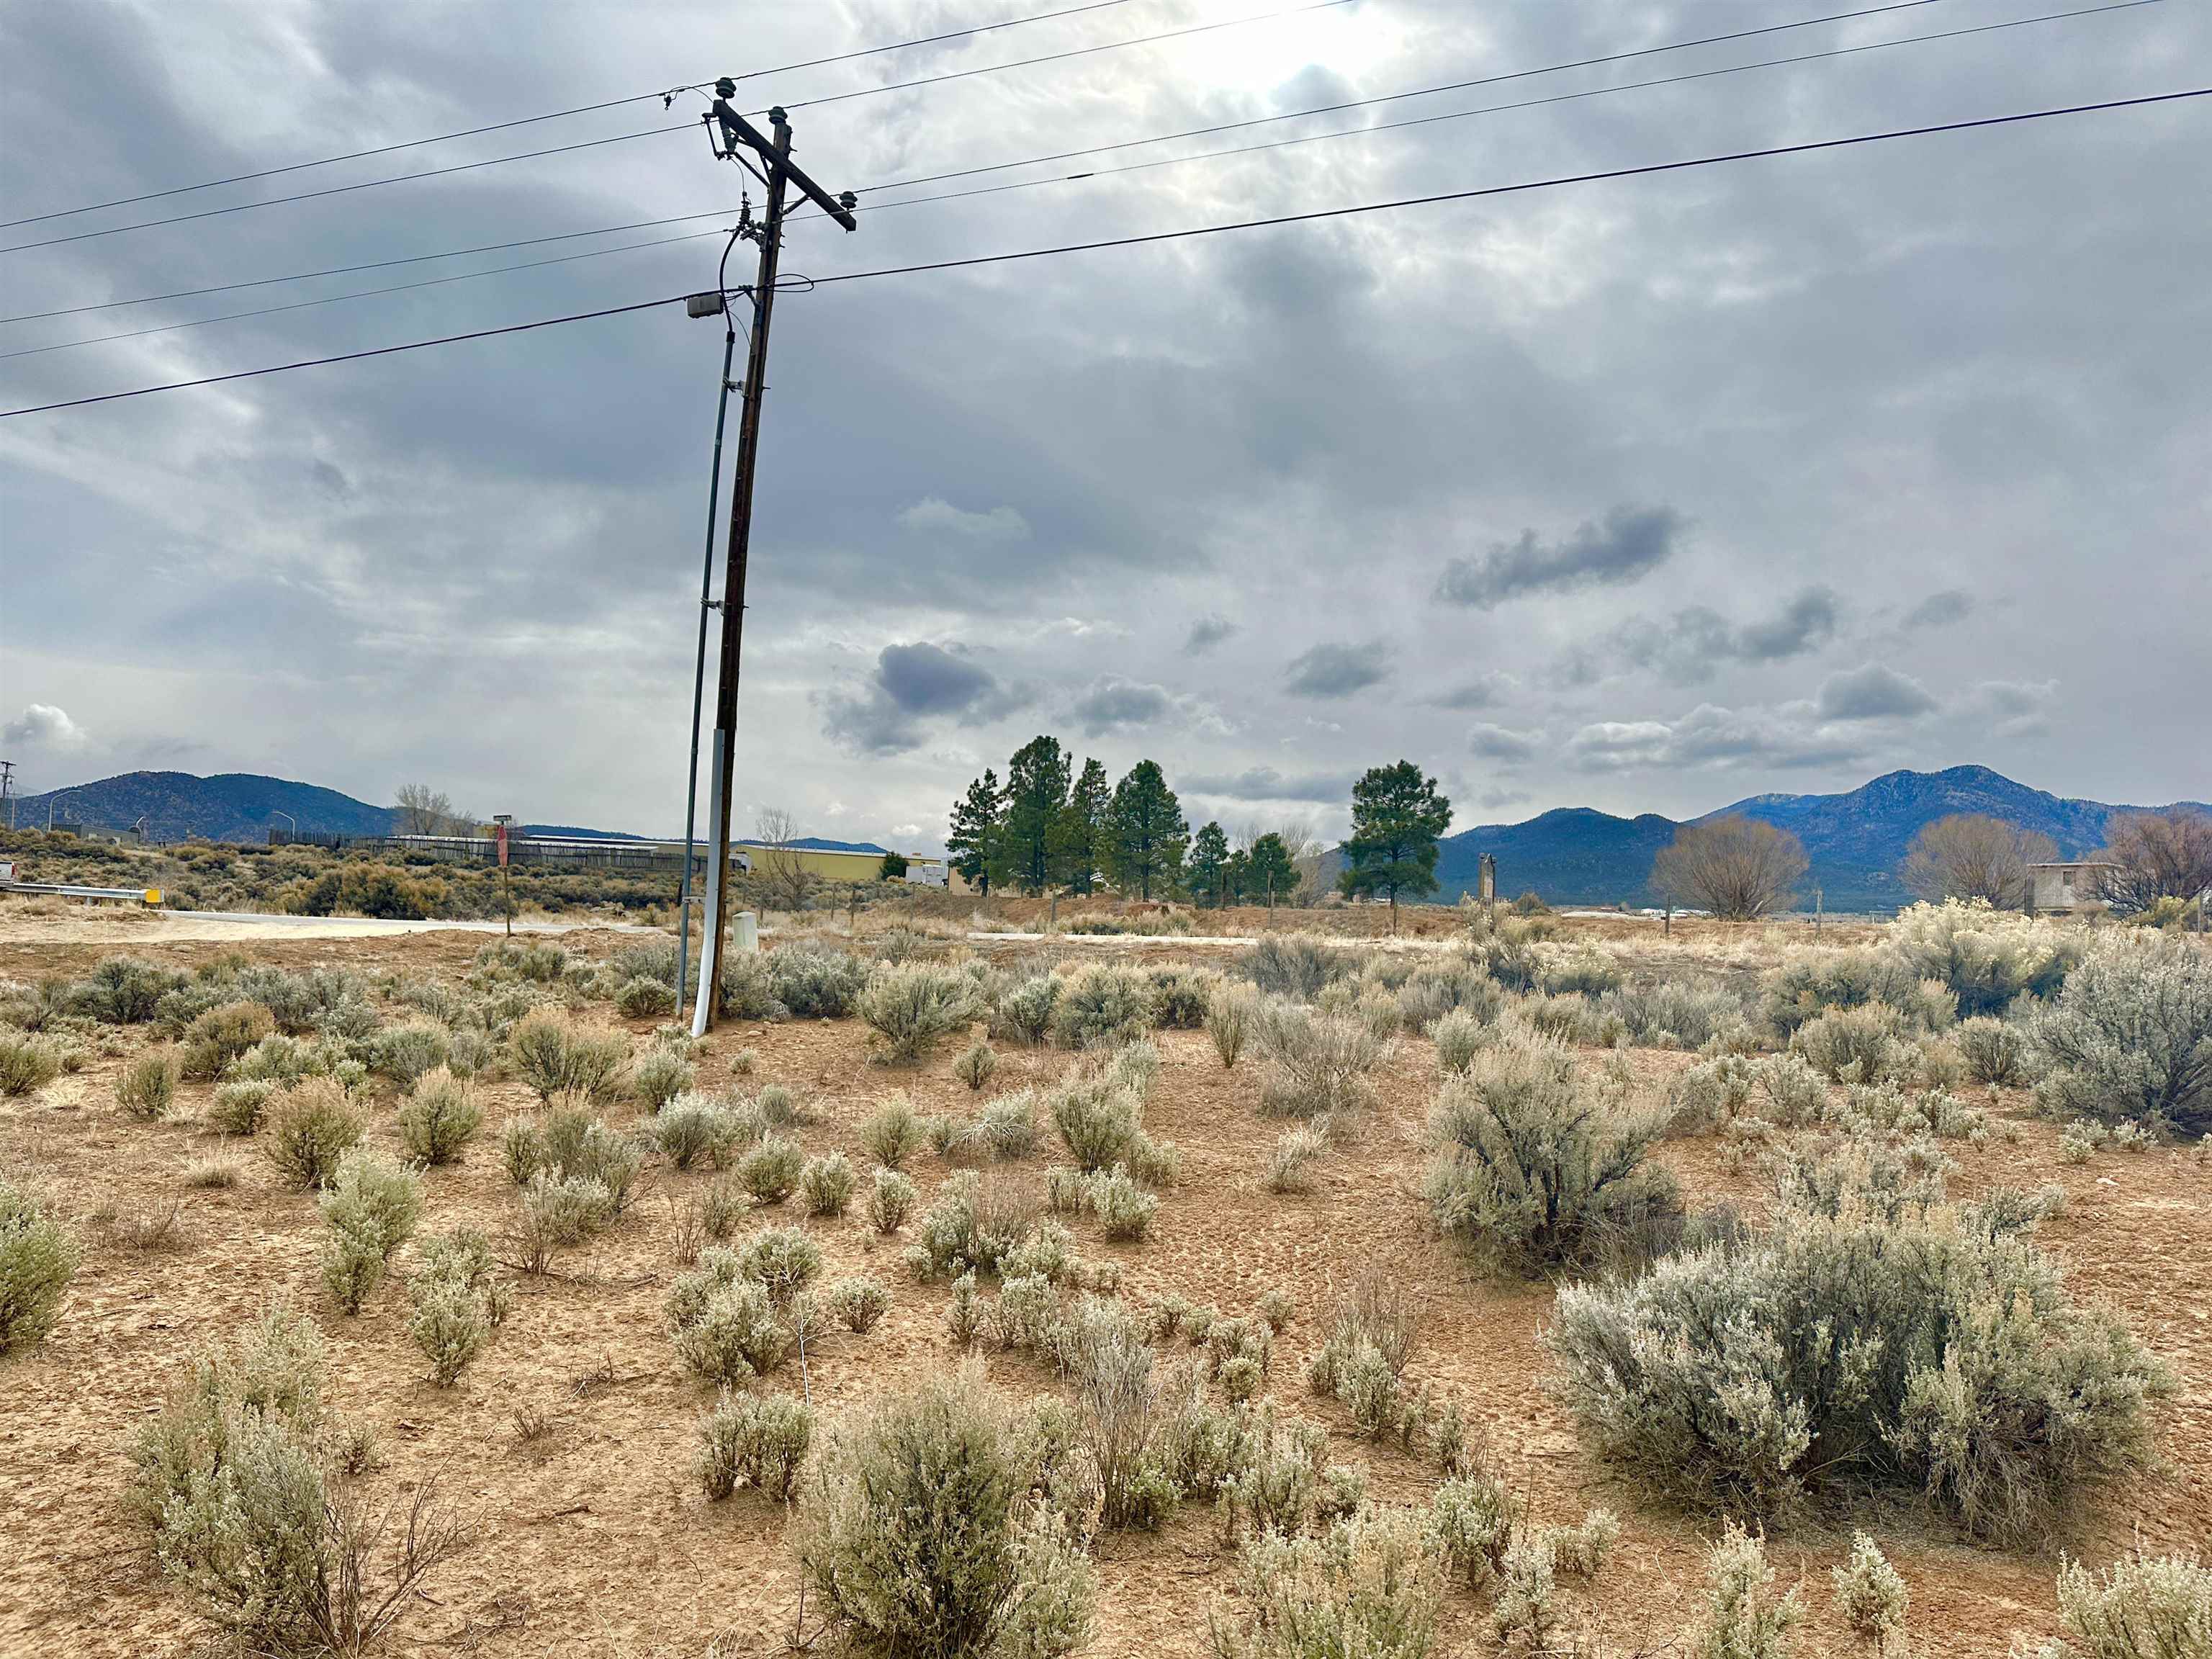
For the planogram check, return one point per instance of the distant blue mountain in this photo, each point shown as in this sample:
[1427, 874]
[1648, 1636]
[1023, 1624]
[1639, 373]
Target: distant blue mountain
[228, 806]
[1854, 841]
[816, 844]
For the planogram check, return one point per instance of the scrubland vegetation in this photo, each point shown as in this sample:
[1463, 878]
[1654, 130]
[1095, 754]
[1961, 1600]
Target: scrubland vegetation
[1541, 1291]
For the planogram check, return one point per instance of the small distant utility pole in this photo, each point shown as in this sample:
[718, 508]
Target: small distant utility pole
[499, 821]
[8, 789]
[777, 173]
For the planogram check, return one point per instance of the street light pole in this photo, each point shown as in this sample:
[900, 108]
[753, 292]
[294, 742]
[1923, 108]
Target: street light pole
[279, 812]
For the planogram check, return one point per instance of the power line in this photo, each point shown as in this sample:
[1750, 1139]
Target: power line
[1509, 189]
[650, 132]
[1387, 98]
[362, 294]
[348, 356]
[1027, 183]
[371, 264]
[560, 114]
[343, 189]
[1036, 161]
[1490, 109]
[1081, 51]
[1642, 170]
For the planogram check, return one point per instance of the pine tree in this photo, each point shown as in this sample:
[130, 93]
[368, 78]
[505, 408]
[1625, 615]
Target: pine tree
[975, 832]
[1397, 817]
[1146, 831]
[1209, 865]
[1076, 850]
[1268, 869]
[1037, 791]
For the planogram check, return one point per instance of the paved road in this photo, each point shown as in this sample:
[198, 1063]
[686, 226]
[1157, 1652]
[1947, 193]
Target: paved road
[179, 924]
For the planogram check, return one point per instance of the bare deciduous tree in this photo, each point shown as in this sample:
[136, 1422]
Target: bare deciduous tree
[1971, 856]
[1306, 858]
[2160, 855]
[422, 810]
[1737, 868]
[778, 870]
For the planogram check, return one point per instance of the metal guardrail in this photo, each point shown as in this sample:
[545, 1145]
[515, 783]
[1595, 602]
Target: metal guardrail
[65, 890]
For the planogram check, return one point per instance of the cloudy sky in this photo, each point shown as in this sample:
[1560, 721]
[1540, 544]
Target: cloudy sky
[1645, 495]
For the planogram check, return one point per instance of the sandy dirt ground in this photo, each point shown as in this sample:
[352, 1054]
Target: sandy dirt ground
[594, 1538]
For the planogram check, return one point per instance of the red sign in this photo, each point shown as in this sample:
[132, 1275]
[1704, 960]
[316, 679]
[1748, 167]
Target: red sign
[500, 830]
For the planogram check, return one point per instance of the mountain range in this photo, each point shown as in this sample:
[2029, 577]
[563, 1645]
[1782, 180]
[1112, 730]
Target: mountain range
[1571, 855]
[244, 806]
[1854, 841]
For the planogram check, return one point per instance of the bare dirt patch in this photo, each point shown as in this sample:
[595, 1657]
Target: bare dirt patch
[595, 1539]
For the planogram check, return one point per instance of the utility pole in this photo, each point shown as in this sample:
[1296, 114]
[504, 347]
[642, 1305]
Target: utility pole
[777, 173]
[8, 789]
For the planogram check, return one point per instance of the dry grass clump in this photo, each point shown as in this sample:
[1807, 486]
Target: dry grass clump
[311, 1127]
[1299, 966]
[239, 1106]
[1102, 1005]
[571, 1145]
[1372, 1584]
[439, 1118]
[858, 1304]
[1972, 1375]
[404, 1054]
[1183, 996]
[1871, 1596]
[233, 1479]
[458, 1302]
[817, 981]
[1535, 1169]
[893, 1132]
[1317, 1064]
[771, 1170]
[1363, 1363]
[1995, 1051]
[123, 991]
[38, 1259]
[1744, 1619]
[373, 1208]
[147, 1087]
[2130, 1035]
[921, 1535]
[975, 1064]
[911, 1006]
[755, 1440]
[826, 1183]
[724, 1322]
[1022, 1010]
[974, 1225]
[890, 1201]
[1291, 1163]
[1229, 1020]
[27, 1063]
[559, 1057]
[2140, 1607]
[662, 1073]
[218, 1036]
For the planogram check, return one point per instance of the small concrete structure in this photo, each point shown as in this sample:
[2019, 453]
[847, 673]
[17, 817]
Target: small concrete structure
[2071, 887]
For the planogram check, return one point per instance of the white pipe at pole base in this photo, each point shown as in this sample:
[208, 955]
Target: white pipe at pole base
[709, 930]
